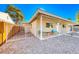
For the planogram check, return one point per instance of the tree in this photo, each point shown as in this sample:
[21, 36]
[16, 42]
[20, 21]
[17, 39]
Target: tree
[15, 13]
[77, 17]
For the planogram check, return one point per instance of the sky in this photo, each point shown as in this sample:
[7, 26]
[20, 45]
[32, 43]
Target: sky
[63, 10]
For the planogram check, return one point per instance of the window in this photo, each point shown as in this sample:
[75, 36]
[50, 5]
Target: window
[63, 26]
[49, 25]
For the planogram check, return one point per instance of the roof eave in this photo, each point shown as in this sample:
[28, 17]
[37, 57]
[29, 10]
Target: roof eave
[46, 13]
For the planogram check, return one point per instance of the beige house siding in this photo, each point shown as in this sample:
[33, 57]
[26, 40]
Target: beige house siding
[54, 21]
[47, 20]
[35, 26]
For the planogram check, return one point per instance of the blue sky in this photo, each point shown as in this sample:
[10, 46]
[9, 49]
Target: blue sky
[63, 10]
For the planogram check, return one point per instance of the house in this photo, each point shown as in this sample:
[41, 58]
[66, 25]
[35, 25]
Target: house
[26, 26]
[44, 24]
[7, 27]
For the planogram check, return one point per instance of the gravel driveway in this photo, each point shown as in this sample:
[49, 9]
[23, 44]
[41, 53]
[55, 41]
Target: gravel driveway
[28, 44]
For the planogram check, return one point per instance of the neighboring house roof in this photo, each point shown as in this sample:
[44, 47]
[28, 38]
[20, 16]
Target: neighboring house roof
[6, 18]
[46, 13]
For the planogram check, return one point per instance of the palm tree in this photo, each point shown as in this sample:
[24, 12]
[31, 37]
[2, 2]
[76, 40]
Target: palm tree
[15, 13]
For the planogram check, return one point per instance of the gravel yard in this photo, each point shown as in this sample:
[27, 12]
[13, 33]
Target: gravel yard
[28, 44]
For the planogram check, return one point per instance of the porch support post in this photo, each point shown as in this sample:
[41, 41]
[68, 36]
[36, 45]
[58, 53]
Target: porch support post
[41, 37]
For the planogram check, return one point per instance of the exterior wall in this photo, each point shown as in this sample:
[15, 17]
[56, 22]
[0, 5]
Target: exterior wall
[47, 20]
[35, 26]
[38, 26]
[54, 21]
